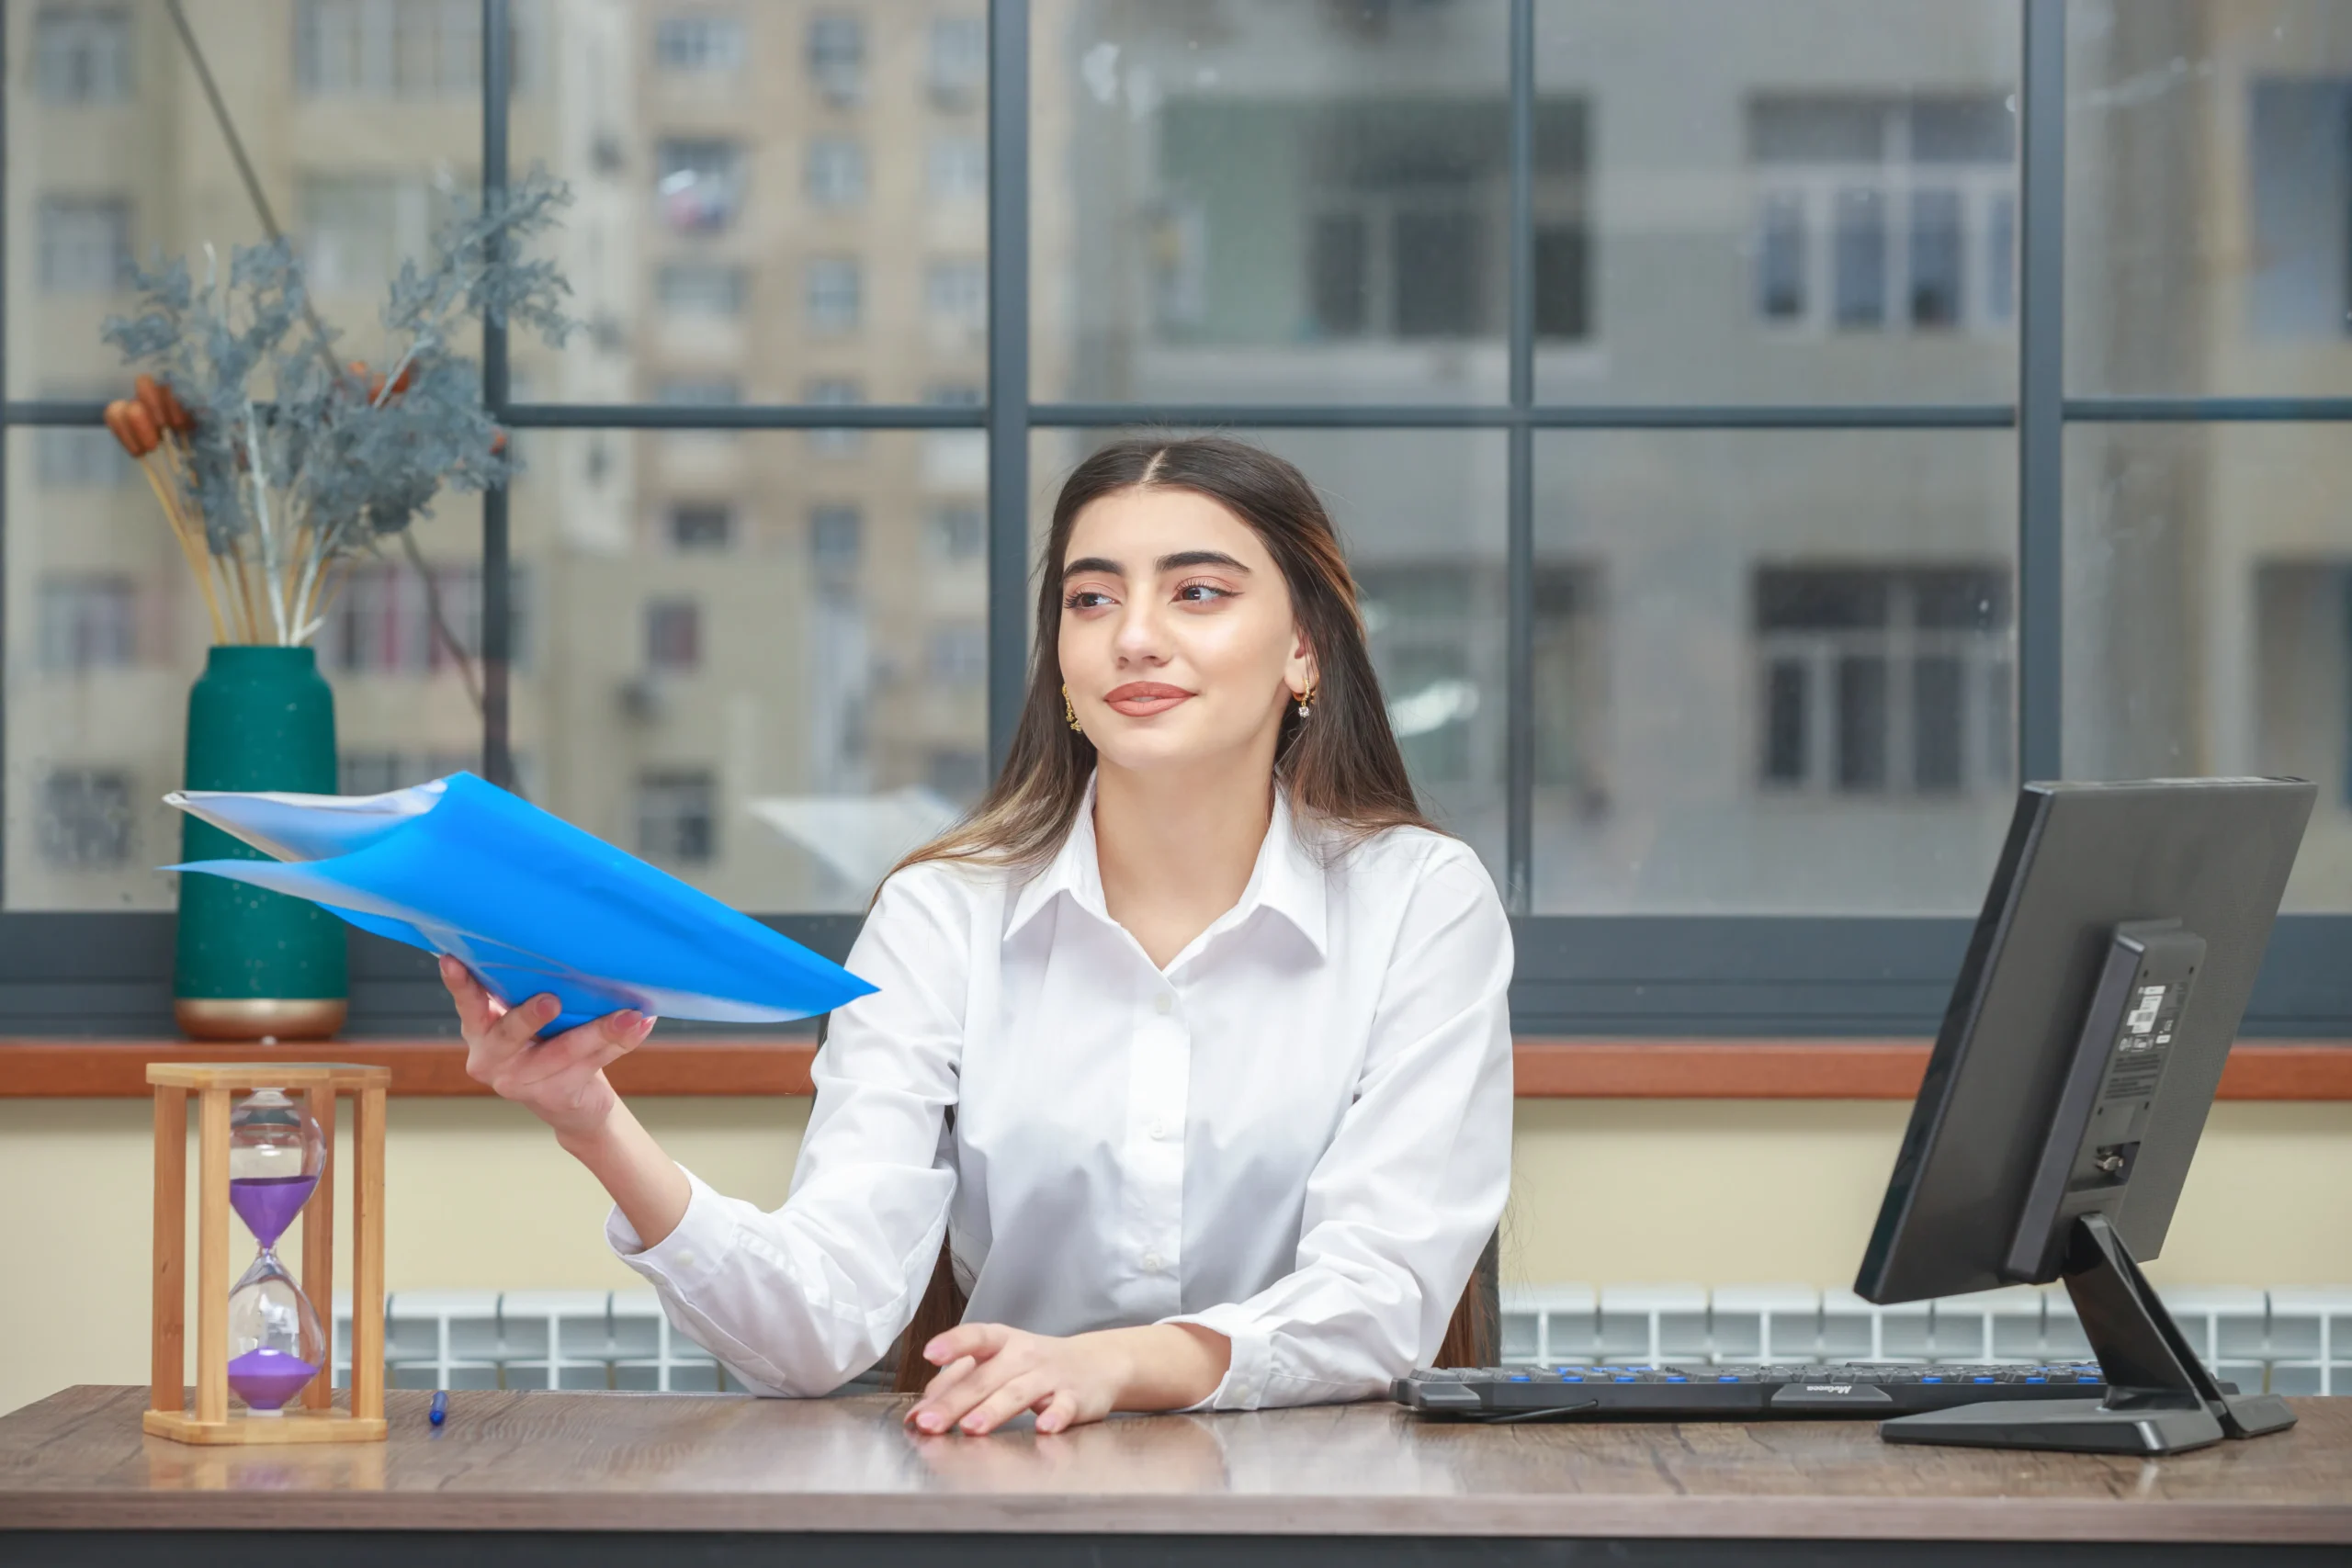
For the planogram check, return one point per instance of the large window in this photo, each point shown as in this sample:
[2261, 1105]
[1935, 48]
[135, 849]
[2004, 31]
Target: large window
[1727, 551]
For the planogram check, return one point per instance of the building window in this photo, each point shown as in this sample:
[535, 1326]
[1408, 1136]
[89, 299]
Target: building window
[88, 622]
[957, 654]
[379, 773]
[401, 49]
[836, 57]
[672, 637]
[955, 294]
[677, 817]
[698, 183]
[698, 41]
[835, 294]
[70, 457]
[358, 229]
[1884, 679]
[959, 59]
[383, 622]
[699, 288]
[836, 392]
[836, 547]
[702, 526]
[86, 819]
[81, 53]
[2300, 188]
[1401, 216]
[84, 244]
[1571, 687]
[957, 168]
[1419, 619]
[836, 172]
[1884, 214]
[958, 531]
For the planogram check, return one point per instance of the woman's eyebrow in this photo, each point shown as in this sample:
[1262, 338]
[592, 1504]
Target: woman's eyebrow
[1177, 562]
[1183, 558]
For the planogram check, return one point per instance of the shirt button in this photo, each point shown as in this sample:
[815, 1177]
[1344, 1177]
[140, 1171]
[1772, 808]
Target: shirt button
[685, 1257]
[1153, 1263]
[1163, 1004]
[1159, 1129]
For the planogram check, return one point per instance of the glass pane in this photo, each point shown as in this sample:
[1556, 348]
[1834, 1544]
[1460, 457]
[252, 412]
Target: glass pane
[106, 631]
[2208, 175]
[758, 660]
[1809, 201]
[363, 120]
[1420, 513]
[777, 204]
[2209, 616]
[1772, 670]
[1282, 200]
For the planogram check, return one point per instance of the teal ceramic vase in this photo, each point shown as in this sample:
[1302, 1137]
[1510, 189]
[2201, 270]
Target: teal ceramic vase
[253, 965]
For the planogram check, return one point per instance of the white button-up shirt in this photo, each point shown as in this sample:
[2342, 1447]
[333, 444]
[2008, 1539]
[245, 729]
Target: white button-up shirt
[1297, 1134]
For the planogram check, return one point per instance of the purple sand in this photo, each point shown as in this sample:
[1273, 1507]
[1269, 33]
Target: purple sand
[268, 1203]
[268, 1378]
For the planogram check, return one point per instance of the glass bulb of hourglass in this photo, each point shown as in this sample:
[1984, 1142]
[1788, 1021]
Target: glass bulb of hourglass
[275, 1152]
[275, 1344]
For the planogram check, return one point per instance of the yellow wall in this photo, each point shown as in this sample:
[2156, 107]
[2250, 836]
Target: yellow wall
[1608, 1191]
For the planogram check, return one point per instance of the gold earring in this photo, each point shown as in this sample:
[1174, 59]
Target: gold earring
[1306, 699]
[1071, 713]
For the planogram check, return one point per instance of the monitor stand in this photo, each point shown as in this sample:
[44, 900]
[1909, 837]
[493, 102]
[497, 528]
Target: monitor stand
[2160, 1397]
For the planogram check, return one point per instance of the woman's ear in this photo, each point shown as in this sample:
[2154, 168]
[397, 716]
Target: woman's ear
[1299, 671]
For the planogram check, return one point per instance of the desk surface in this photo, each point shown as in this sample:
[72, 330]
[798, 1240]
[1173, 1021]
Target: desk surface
[538, 1462]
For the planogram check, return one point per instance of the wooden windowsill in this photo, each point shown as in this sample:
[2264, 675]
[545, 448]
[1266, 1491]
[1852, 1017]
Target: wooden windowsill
[1545, 1068]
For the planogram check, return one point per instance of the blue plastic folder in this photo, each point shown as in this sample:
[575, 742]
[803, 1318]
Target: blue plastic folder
[525, 900]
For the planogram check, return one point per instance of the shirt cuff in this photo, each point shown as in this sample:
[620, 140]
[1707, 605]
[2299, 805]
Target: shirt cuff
[695, 1249]
[1244, 1384]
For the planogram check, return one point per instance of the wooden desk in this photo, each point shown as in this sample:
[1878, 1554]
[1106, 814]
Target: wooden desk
[588, 1479]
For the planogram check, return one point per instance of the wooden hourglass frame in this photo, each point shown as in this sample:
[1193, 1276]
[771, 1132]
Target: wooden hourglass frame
[315, 1420]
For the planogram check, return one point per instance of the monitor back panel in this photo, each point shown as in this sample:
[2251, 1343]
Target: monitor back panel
[2079, 860]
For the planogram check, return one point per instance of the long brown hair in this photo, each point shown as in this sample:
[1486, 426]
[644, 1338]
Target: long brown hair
[1340, 768]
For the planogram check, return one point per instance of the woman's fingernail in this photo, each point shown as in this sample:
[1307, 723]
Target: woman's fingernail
[929, 1421]
[646, 1027]
[624, 1023]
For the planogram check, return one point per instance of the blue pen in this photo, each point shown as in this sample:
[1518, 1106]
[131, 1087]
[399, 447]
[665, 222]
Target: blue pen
[440, 1406]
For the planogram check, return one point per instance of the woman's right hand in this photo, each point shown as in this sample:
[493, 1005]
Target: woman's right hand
[561, 1081]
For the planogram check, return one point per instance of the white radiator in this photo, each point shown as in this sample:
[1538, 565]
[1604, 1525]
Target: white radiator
[2281, 1341]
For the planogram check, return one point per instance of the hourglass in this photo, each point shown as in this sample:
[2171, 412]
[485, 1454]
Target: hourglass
[266, 1154]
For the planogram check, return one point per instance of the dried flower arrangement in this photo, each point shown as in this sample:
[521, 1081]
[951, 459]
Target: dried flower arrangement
[279, 466]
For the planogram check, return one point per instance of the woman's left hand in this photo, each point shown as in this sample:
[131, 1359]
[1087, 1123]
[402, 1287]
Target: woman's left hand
[990, 1373]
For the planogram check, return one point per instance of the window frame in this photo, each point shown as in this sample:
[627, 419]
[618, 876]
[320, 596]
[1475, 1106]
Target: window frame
[1731, 976]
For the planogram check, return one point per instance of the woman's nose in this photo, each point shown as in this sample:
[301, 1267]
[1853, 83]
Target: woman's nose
[1141, 635]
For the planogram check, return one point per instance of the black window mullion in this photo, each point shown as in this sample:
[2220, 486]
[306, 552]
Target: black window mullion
[497, 569]
[1008, 373]
[2041, 410]
[1519, 546]
[7, 86]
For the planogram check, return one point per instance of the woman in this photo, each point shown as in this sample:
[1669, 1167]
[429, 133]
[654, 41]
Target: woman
[1191, 1044]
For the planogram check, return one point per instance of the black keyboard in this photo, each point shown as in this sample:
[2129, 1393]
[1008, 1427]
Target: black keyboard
[1697, 1392]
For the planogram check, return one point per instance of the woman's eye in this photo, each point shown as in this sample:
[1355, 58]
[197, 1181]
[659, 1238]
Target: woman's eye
[1202, 593]
[1086, 599]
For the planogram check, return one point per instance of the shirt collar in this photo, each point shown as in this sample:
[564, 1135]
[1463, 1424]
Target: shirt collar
[1287, 878]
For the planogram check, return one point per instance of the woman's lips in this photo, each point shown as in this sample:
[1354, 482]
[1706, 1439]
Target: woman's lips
[1140, 699]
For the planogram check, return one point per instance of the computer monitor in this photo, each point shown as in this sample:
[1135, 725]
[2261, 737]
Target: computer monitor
[2063, 1099]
